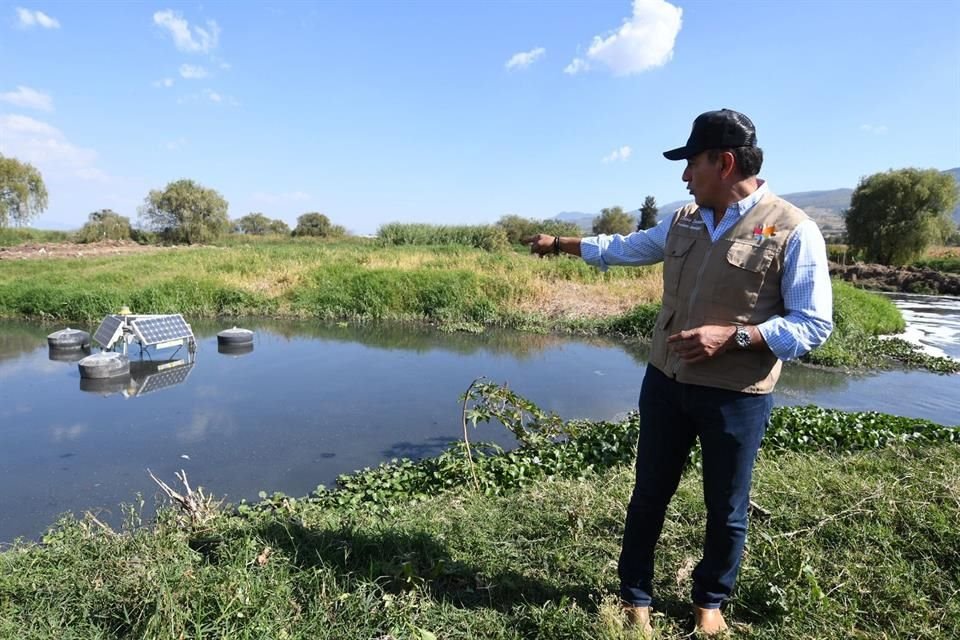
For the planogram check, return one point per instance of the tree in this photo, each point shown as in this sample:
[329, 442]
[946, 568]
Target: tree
[22, 192]
[186, 212]
[319, 225]
[254, 224]
[895, 215]
[613, 220]
[648, 214]
[517, 227]
[279, 227]
[105, 224]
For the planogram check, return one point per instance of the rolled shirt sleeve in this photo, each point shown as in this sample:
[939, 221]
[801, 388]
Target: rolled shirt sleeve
[807, 297]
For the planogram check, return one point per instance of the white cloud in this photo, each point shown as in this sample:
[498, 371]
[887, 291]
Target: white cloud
[578, 65]
[618, 155]
[644, 41]
[45, 147]
[213, 96]
[195, 40]
[28, 98]
[175, 145]
[193, 72]
[525, 59]
[164, 82]
[28, 19]
[876, 129]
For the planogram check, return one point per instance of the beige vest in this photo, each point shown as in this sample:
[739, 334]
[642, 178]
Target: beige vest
[735, 280]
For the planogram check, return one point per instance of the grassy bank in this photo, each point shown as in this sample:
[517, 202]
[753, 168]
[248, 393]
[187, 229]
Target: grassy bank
[860, 541]
[456, 288]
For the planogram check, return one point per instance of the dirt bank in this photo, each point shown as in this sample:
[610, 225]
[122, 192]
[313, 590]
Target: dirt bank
[906, 279]
[46, 250]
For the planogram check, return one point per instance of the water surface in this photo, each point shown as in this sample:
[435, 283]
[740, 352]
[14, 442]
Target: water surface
[312, 401]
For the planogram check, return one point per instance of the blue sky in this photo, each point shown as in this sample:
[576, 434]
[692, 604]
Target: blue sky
[461, 112]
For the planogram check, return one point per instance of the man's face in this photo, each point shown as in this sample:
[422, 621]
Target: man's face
[703, 178]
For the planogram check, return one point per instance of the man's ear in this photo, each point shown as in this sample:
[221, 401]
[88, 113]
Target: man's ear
[728, 164]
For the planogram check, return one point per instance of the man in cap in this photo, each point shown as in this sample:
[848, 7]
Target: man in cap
[745, 287]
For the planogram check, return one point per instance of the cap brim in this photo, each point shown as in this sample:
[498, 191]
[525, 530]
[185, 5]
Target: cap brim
[680, 153]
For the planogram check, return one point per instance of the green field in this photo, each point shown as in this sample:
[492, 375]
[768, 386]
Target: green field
[452, 287]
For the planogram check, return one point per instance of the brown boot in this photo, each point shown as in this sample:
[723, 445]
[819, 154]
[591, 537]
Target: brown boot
[639, 618]
[709, 622]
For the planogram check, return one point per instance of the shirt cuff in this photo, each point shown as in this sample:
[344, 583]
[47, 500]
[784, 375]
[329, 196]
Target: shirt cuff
[781, 342]
[591, 254]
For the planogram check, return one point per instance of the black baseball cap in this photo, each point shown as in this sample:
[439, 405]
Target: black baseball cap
[723, 129]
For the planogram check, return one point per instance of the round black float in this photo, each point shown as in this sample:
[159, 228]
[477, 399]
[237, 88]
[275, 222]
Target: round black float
[235, 349]
[235, 336]
[68, 338]
[104, 365]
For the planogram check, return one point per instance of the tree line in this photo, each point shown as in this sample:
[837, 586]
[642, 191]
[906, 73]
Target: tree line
[894, 216]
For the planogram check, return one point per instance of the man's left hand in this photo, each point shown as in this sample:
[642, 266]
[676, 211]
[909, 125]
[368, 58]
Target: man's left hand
[701, 343]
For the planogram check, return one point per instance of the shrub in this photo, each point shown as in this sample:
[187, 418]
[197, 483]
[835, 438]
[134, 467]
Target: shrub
[486, 237]
[105, 225]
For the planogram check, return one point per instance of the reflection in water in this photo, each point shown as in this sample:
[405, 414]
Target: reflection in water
[68, 355]
[312, 401]
[145, 377]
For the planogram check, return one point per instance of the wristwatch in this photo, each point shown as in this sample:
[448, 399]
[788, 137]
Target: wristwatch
[742, 337]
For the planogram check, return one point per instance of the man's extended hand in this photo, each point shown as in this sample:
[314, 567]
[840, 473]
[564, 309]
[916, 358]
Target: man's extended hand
[540, 244]
[696, 345]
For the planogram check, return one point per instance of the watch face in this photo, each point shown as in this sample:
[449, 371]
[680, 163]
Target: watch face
[743, 338]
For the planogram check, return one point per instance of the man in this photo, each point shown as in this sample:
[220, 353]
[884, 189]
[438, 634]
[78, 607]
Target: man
[745, 287]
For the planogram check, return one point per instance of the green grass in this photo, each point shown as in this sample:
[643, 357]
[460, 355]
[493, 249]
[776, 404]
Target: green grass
[353, 280]
[860, 544]
[949, 264]
[12, 236]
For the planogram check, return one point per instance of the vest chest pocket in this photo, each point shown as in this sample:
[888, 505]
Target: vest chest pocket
[750, 257]
[674, 256]
[747, 267]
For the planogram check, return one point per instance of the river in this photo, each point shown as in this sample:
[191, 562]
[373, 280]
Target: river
[312, 401]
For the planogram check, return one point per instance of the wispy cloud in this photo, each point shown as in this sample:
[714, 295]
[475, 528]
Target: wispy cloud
[524, 59]
[186, 38]
[28, 98]
[166, 83]
[644, 41]
[875, 129]
[45, 146]
[577, 65]
[175, 145]
[27, 19]
[193, 72]
[618, 155]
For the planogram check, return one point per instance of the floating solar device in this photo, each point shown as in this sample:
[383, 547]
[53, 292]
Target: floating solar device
[157, 331]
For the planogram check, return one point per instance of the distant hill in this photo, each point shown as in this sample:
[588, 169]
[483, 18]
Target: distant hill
[825, 207]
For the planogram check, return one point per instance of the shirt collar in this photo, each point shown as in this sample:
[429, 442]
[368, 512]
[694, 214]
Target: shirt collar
[747, 203]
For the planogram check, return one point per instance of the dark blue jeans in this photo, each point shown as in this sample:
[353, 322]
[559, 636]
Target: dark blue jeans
[730, 426]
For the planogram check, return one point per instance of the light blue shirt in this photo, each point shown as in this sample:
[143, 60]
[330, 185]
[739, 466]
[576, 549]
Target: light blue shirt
[804, 285]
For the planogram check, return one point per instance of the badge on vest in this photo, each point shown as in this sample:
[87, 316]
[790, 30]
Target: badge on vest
[762, 232]
[691, 220]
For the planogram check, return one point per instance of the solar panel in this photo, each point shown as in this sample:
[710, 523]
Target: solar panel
[108, 331]
[165, 378]
[156, 329]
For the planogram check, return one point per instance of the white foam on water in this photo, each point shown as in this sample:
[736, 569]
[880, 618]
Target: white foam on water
[933, 323]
